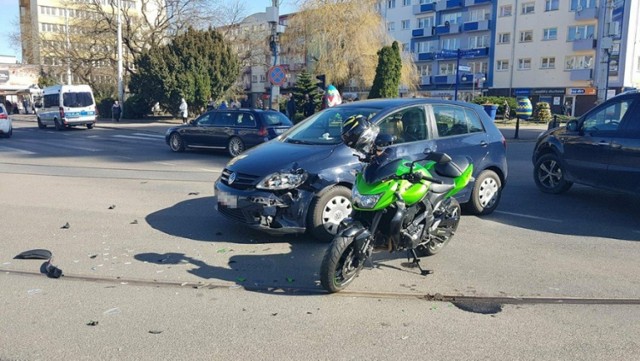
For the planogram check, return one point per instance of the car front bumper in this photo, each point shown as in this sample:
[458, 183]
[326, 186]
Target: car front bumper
[274, 213]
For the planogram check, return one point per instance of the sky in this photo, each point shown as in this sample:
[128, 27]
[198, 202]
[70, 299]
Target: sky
[9, 19]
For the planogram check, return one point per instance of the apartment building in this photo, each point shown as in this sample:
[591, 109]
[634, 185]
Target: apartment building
[560, 51]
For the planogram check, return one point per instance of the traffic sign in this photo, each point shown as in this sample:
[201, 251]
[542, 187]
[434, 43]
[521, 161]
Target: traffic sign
[277, 75]
[464, 68]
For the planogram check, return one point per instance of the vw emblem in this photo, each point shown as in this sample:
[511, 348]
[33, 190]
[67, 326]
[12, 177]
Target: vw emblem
[232, 178]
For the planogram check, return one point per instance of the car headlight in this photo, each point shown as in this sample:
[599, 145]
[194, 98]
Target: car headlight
[282, 180]
[365, 201]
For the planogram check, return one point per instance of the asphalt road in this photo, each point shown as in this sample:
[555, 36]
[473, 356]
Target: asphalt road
[147, 257]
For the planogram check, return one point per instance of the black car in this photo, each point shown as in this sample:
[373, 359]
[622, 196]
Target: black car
[600, 149]
[232, 129]
[302, 180]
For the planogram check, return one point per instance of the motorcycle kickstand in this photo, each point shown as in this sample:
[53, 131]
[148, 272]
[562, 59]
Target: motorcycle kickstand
[416, 260]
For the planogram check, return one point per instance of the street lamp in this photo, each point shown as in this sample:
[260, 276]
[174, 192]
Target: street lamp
[473, 86]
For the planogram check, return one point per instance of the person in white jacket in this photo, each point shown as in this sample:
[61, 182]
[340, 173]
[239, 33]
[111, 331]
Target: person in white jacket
[184, 111]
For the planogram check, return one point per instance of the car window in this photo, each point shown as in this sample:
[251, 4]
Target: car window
[325, 127]
[607, 118]
[225, 119]
[245, 120]
[51, 100]
[275, 118]
[455, 120]
[407, 125]
[77, 99]
[205, 119]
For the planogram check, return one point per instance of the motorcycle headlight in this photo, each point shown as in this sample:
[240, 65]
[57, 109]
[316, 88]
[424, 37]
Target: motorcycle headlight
[282, 180]
[365, 201]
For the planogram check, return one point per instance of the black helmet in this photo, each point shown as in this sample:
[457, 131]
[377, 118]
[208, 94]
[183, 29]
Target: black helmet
[358, 133]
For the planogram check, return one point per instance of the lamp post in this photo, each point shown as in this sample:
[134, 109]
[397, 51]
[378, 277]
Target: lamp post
[120, 85]
[473, 86]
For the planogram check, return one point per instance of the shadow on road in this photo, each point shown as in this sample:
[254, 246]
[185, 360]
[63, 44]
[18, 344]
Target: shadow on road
[252, 259]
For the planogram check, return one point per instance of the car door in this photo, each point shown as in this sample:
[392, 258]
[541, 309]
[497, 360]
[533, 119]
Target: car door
[623, 172]
[587, 152]
[460, 132]
[217, 135]
[408, 126]
[193, 133]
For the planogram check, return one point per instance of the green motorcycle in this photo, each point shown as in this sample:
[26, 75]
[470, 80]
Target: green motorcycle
[398, 204]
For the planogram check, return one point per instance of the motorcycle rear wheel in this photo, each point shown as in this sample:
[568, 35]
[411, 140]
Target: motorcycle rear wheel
[340, 264]
[444, 232]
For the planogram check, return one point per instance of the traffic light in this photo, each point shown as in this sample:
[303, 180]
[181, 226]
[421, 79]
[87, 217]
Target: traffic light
[321, 81]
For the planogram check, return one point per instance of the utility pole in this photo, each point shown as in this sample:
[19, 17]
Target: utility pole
[68, 45]
[120, 85]
[274, 43]
[603, 54]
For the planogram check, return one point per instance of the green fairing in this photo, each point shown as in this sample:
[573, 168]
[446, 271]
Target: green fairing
[461, 181]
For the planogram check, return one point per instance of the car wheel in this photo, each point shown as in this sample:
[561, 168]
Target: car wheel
[41, 125]
[58, 124]
[235, 147]
[176, 143]
[549, 176]
[90, 126]
[327, 210]
[486, 193]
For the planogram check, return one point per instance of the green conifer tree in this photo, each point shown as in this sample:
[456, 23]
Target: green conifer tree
[388, 72]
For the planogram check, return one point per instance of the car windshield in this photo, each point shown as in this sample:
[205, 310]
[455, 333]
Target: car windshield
[325, 127]
[276, 118]
[77, 100]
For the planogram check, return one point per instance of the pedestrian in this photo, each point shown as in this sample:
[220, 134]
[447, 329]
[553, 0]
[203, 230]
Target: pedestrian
[291, 107]
[116, 111]
[507, 111]
[309, 107]
[223, 105]
[184, 111]
[211, 105]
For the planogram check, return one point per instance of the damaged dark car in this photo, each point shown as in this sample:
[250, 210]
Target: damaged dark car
[301, 181]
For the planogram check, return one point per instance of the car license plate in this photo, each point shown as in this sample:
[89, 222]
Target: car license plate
[227, 200]
[83, 113]
[279, 130]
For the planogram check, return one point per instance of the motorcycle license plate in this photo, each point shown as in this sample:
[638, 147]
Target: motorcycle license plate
[227, 200]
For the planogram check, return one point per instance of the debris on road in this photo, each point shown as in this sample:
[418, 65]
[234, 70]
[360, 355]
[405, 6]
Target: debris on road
[34, 254]
[113, 206]
[92, 323]
[66, 226]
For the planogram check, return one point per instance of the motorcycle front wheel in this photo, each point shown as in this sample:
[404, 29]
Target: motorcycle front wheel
[340, 265]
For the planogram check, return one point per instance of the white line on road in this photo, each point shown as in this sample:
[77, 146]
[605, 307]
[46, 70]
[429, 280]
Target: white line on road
[530, 217]
[166, 163]
[211, 170]
[159, 136]
[16, 150]
[154, 137]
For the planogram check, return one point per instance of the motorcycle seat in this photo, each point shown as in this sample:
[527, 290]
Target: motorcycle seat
[454, 168]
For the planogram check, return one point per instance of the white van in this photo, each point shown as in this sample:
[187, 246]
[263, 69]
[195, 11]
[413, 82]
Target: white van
[66, 106]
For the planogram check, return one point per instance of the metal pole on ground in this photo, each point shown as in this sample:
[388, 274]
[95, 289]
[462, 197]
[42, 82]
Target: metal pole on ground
[516, 134]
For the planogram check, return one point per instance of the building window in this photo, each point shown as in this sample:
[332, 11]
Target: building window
[452, 18]
[551, 5]
[548, 63]
[391, 4]
[578, 5]
[406, 24]
[447, 69]
[504, 38]
[528, 8]
[580, 32]
[526, 36]
[506, 10]
[524, 64]
[391, 26]
[479, 41]
[578, 62]
[479, 15]
[478, 67]
[451, 44]
[406, 2]
[427, 46]
[424, 69]
[425, 23]
[502, 65]
[550, 34]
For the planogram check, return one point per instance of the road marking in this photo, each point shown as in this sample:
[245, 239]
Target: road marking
[16, 150]
[212, 170]
[141, 136]
[59, 145]
[159, 136]
[166, 163]
[529, 216]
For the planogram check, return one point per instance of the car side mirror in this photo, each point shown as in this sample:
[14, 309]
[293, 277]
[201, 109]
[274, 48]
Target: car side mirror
[572, 125]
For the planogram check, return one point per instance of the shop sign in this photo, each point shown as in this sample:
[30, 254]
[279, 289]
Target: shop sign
[4, 76]
[549, 91]
[581, 91]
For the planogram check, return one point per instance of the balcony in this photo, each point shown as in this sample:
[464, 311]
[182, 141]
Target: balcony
[447, 29]
[444, 79]
[584, 44]
[476, 25]
[581, 74]
[449, 4]
[587, 14]
[424, 8]
[425, 56]
[425, 80]
[468, 3]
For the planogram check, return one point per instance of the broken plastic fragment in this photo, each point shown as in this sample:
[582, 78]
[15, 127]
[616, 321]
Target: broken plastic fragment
[66, 226]
[290, 280]
[112, 206]
[92, 323]
[155, 332]
[241, 279]
[34, 254]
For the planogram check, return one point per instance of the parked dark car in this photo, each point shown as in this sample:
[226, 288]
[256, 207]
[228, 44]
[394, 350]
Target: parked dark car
[302, 180]
[600, 149]
[232, 129]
